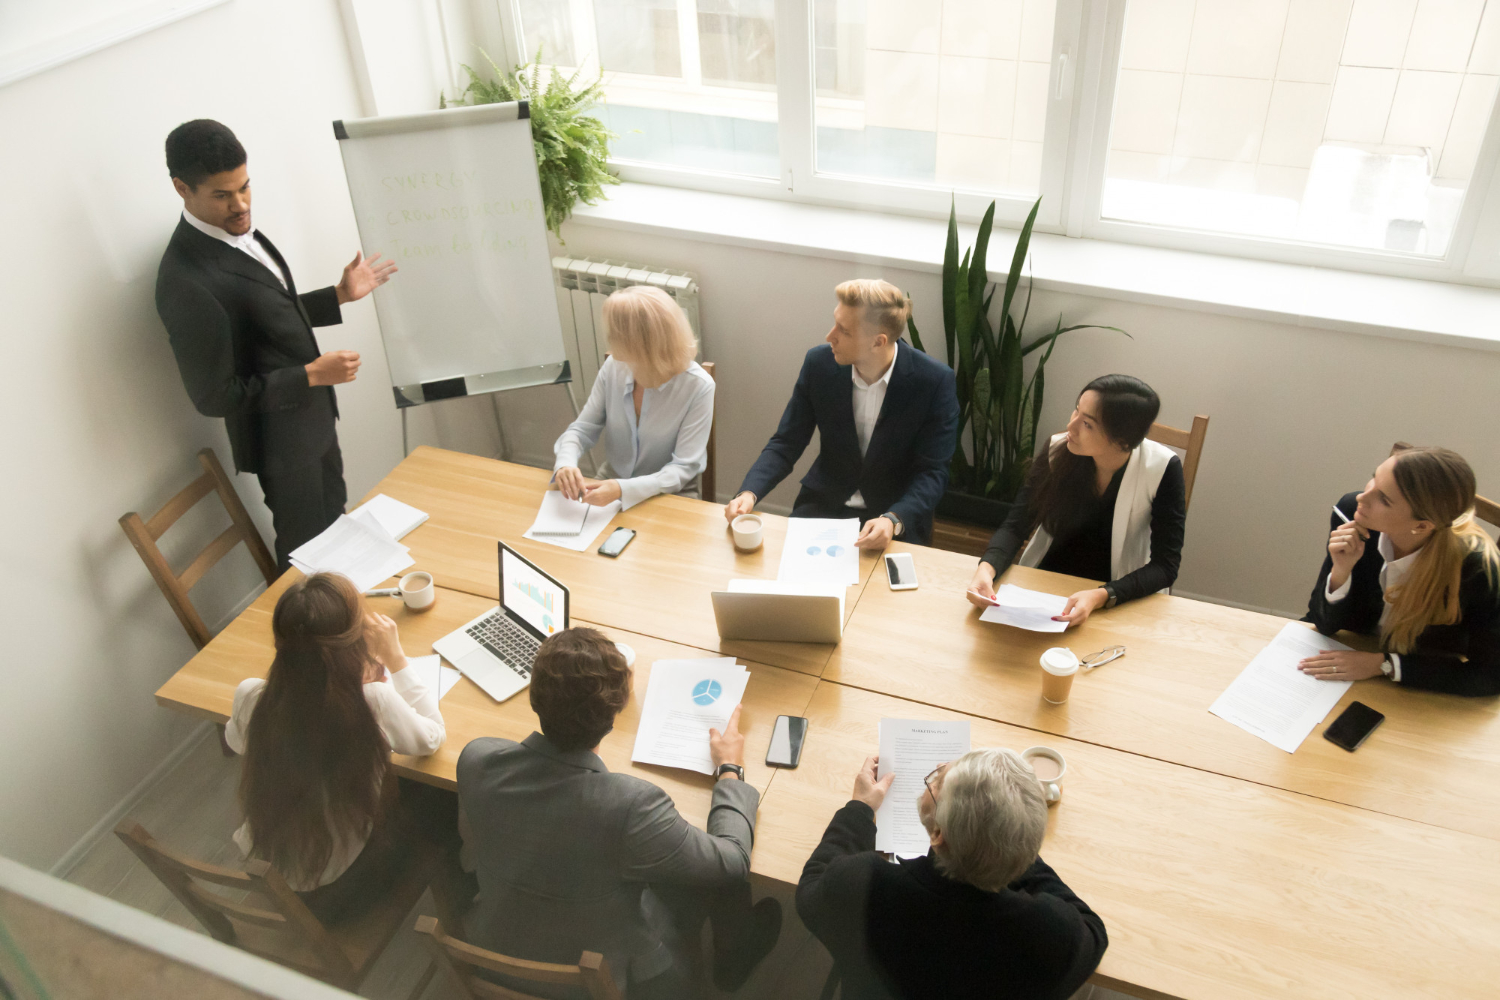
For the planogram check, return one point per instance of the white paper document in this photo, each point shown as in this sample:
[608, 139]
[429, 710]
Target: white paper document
[361, 553]
[1274, 700]
[684, 699]
[434, 673]
[820, 550]
[395, 518]
[1028, 609]
[912, 748]
[569, 524]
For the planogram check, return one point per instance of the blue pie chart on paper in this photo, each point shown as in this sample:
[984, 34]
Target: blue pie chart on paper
[834, 550]
[706, 692]
[813, 550]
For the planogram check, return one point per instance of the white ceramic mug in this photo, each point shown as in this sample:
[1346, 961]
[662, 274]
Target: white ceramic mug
[748, 532]
[1059, 665]
[1049, 766]
[418, 591]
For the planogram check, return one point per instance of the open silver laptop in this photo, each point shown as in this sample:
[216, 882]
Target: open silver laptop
[496, 649]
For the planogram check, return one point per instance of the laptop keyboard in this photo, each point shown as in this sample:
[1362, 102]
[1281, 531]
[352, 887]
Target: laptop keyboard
[506, 640]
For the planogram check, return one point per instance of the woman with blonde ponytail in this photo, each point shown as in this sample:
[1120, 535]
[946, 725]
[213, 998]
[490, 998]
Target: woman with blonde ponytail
[1429, 585]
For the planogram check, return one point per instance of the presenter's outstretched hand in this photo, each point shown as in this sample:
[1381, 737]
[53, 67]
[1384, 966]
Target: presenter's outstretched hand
[867, 789]
[604, 492]
[876, 534]
[362, 276]
[570, 482]
[1342, 665]
[1081, 605]
[981, 592]
[727, 747]
[742, 504]
[334, 368]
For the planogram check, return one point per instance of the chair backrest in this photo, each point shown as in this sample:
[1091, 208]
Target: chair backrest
[1190, 442]
[461, 959]
[298, 941]
[143, 534]
[1487, 510]
[710, 470]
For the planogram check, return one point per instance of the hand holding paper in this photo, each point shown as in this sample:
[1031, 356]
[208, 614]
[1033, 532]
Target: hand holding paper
[1028, 609]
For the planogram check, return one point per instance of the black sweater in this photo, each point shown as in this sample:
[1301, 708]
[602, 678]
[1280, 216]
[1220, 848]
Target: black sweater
[908, 931]
[1462, 658]
[1082, 546]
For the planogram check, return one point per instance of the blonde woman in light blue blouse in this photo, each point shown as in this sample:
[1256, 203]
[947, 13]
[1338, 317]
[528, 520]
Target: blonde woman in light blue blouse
[652, 402]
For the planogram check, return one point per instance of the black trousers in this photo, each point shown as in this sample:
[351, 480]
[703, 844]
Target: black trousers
[727, 907]
[304, 500]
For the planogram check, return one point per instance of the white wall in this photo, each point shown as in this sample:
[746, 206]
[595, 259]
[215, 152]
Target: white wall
[98, 421]
[1299, 416]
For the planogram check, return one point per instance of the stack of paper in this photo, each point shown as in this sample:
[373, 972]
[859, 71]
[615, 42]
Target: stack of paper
[434, 673]
[912, 749]
[363, 554]
[820, 550]
[395, 518]
[1028, 609]
[570, 524]
[683, 701]
[1274, 700]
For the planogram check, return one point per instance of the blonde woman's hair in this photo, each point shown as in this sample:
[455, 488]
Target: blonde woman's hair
[993, 814]
[648, 331]
[1439, 486]
[882, 305]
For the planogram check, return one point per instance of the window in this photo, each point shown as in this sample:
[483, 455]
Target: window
[1349, 133]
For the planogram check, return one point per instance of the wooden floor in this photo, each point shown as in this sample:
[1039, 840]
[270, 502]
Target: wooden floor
[194, 810]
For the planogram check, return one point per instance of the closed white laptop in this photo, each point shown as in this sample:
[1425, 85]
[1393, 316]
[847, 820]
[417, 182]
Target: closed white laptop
[780, 611]
[496, 649]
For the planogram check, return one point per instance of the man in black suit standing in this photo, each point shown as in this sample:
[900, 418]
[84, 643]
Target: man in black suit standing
[243, 336]
[887, 422]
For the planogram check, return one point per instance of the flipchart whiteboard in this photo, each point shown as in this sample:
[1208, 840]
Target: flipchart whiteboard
[452, 197]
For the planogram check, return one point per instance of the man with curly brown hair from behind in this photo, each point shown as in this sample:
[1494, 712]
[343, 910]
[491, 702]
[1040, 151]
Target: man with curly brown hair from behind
[574, 858]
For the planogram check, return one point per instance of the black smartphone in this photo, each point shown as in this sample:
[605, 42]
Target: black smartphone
[1352, 726]
[786, 741]
[616, 542]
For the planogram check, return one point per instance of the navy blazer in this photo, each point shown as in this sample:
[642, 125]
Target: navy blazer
[1462, 658]
[242, 342]
[905, 469]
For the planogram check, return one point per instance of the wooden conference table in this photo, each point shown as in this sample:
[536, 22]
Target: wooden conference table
[1222, 867]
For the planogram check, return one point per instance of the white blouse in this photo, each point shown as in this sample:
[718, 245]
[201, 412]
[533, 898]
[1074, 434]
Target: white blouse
[664, 451]
[406, 711]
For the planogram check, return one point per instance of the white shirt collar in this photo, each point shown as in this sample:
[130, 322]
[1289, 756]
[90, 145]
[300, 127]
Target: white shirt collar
[244, 242]
[1388, 553]
[885, 379]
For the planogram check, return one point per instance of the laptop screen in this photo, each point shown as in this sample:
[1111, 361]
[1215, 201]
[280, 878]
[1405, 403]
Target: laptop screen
[531, 595]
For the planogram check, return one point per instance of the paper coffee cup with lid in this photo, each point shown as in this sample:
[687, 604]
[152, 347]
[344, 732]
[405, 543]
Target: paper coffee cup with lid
[1059, 666]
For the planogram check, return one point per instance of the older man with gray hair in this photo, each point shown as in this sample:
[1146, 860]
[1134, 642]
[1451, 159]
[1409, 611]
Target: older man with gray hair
[981, 915]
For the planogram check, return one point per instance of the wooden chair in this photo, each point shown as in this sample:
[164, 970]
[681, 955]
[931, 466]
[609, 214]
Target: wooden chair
[175, 586]
[710, 471]
[1487, 511]
[1190, 442]
[591, 974]
[271, 921]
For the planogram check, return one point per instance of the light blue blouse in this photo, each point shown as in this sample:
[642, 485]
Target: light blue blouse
[663, 452]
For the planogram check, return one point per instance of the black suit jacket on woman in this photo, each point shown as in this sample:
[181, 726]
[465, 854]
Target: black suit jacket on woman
[242, 340]
[905, 468]
[1462, 658]
[908, 932]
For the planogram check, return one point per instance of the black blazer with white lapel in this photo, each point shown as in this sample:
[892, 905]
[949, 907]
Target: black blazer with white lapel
[242, 340]
[905, 469]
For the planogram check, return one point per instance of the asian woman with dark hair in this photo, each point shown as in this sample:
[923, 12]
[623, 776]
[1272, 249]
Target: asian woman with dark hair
[1103, 503]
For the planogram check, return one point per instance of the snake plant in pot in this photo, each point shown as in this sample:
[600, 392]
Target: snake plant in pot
[999, 404]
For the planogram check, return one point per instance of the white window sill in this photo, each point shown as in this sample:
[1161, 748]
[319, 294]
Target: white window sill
[1403, 308]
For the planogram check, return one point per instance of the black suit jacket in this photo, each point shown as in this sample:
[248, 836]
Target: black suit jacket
[241, 342]
[1462, 658]
[906, 467]
[908, 931]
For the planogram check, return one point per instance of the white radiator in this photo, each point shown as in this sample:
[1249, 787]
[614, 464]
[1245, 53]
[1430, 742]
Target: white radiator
[583, 285]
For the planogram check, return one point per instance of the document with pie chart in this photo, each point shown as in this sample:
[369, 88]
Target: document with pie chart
[820, 550]
[684, 699]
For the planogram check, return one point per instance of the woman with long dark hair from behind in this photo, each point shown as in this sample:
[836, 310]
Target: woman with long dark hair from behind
[1407, 562]
[1104, 503]
[321, 802]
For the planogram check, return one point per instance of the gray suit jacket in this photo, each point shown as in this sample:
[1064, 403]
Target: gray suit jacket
[566, 849]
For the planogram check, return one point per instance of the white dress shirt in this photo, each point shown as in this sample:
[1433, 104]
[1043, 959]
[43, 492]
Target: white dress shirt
[663, 451]
[1392, 572]
[869, 397]
[407, 712]
[246, 243]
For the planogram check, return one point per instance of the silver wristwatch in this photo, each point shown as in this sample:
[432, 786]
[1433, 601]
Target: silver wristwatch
[739, 771]
[896, 521]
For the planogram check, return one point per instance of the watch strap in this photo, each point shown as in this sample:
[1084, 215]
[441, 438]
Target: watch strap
[1114, 598]
[739, 771]
[900, 525]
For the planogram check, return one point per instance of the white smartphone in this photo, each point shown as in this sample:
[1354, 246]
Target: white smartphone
[901, 571]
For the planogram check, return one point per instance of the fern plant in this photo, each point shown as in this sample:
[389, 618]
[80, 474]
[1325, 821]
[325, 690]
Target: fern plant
[572, 146]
